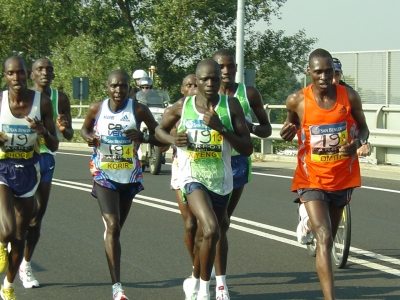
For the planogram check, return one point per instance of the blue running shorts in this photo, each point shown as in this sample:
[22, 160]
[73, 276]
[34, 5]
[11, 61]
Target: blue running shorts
[241, 170]
[217, 200]
[22, 180]
[127, 191]
[47, 165]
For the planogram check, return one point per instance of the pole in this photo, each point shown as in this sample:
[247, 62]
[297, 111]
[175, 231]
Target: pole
[240, 41]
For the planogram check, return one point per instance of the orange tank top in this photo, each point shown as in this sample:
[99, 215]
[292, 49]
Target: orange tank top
[319, 164]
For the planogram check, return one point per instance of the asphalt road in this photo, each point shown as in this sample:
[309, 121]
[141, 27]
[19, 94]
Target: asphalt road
[265, 261]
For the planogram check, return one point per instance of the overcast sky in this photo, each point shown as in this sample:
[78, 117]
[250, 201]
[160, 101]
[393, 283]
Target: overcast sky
[343, 25]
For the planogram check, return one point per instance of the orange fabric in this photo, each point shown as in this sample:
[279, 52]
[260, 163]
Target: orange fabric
[319, 164]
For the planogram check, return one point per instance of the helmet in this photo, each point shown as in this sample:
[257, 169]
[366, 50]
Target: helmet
[139, 74]
[146, 81]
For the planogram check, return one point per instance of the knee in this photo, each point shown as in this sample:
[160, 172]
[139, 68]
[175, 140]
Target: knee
[224, 224]
[190, 225]
[211, 234]
[113, 227]
[324, 237]
[8, 235]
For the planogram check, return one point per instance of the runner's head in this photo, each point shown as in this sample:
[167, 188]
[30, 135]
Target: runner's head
[227, 62]
[188, 83]
[208, 78]
[42, 72]
[338, 70]
[320, 69]
[16, 73]
[118, 86]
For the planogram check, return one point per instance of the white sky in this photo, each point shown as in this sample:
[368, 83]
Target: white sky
[343, 25]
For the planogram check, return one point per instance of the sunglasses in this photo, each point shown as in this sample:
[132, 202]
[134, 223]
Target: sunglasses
[145, 87]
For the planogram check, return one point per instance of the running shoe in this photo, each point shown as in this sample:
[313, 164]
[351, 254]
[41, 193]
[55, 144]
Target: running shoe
[304, 235]
[26, 276]
[221, 293]
[7, 294]
[190, 293]
[3, 259]
[120, 296]
[118, 292]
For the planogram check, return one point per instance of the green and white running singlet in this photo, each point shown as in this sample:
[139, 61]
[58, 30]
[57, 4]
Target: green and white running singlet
[54, 103]
[207, 157]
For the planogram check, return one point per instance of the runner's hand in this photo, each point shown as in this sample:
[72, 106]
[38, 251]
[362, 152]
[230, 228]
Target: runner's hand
[133, 135]
[3, 138]
[364, 150]
[93, 141]
[288, 131]
[180, 139]
[212, 120]
[348, 148]
[37, 126]
[62, 122]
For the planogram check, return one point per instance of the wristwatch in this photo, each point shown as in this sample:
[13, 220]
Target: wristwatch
[146, 138]
[253, 128]
[224, 130]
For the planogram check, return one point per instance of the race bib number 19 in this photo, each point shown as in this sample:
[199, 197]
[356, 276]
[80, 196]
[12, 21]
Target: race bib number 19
[325, 141]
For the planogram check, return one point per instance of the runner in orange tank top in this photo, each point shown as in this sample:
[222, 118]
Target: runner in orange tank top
[331, 128]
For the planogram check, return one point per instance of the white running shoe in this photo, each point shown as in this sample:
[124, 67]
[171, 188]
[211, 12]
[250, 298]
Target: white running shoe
[190, 293]
[303, 233]
[221, 293]
[118, 292]
[26, 276]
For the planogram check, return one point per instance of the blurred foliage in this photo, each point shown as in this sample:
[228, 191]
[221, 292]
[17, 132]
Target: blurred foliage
[90, 38]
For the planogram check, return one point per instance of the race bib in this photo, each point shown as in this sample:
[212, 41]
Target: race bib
[20, 142]
[325, 141]
[117, 153]
[203, 142]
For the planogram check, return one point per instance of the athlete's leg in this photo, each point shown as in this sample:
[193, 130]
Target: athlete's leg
[335, 214]
[190, 223]
[8, 225]
[109, 205]
[234, 200]
[201, 206]
[42, 199]
[23, 208]
[319, 214]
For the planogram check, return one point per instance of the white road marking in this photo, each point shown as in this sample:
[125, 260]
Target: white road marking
[292, 242]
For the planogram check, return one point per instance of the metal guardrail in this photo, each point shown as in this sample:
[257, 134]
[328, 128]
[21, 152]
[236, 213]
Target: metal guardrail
[384, 131]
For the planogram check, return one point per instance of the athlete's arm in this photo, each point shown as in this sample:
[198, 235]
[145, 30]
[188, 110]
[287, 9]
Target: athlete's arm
[358, 115]
[170, 117]
[64, 119]
[46, 126]
[88, 125]
[239, 138]
[263, 130]
[294, 106]
[143, 114]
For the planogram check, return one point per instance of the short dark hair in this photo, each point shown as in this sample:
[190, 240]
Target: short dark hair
[21, 59]
[224, 52]
[319, 53]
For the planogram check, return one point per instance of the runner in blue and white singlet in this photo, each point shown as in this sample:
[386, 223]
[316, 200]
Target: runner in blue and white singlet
[115, 157]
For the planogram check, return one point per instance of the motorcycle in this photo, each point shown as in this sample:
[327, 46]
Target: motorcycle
[149, 155]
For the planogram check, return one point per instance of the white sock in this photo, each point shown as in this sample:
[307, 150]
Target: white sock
[204, 288]
[7, 284]
[220, 281]
[24, 264]
[195, 283]
[116, 288]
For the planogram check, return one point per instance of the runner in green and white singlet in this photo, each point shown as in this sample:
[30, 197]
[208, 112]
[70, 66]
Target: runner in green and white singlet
[250, 100]
[210, 123]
